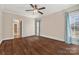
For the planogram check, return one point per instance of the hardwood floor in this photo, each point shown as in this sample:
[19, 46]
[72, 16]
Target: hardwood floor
[37, 46]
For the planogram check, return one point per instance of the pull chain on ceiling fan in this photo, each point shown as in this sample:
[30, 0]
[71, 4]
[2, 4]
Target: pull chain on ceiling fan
[36, 9]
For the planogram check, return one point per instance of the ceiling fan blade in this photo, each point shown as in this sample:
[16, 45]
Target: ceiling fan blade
[35, 6]
[32, 5]
[41, 8]
[40, 12]
[28, 10]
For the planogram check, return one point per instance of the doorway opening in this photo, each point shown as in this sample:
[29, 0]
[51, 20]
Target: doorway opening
[17, 29]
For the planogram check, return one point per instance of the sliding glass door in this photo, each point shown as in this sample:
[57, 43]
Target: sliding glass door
[72, 27]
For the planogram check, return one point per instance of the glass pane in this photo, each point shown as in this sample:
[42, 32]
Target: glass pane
[74, 26]
[77, 26]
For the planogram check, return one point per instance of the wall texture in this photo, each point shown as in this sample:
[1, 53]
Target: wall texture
[7, 25]
[0, 26]
[27, 25]
[53, 26]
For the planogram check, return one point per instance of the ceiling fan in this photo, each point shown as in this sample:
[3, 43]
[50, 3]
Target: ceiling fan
[36, 9]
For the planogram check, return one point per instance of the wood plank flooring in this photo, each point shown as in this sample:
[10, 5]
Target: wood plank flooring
[37, 46]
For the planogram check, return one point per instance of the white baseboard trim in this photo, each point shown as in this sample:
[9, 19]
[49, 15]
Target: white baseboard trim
[7, 38]
[53, 37]
[27, 35]
[1, 41]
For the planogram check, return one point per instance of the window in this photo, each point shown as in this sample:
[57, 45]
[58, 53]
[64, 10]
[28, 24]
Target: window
[73, 27]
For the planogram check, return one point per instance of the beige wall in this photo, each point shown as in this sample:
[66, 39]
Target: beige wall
[0, 26]
[53, 26]
[7, 25]
[27, 25]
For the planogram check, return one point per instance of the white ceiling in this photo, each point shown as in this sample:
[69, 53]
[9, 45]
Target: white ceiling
[20, 8]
